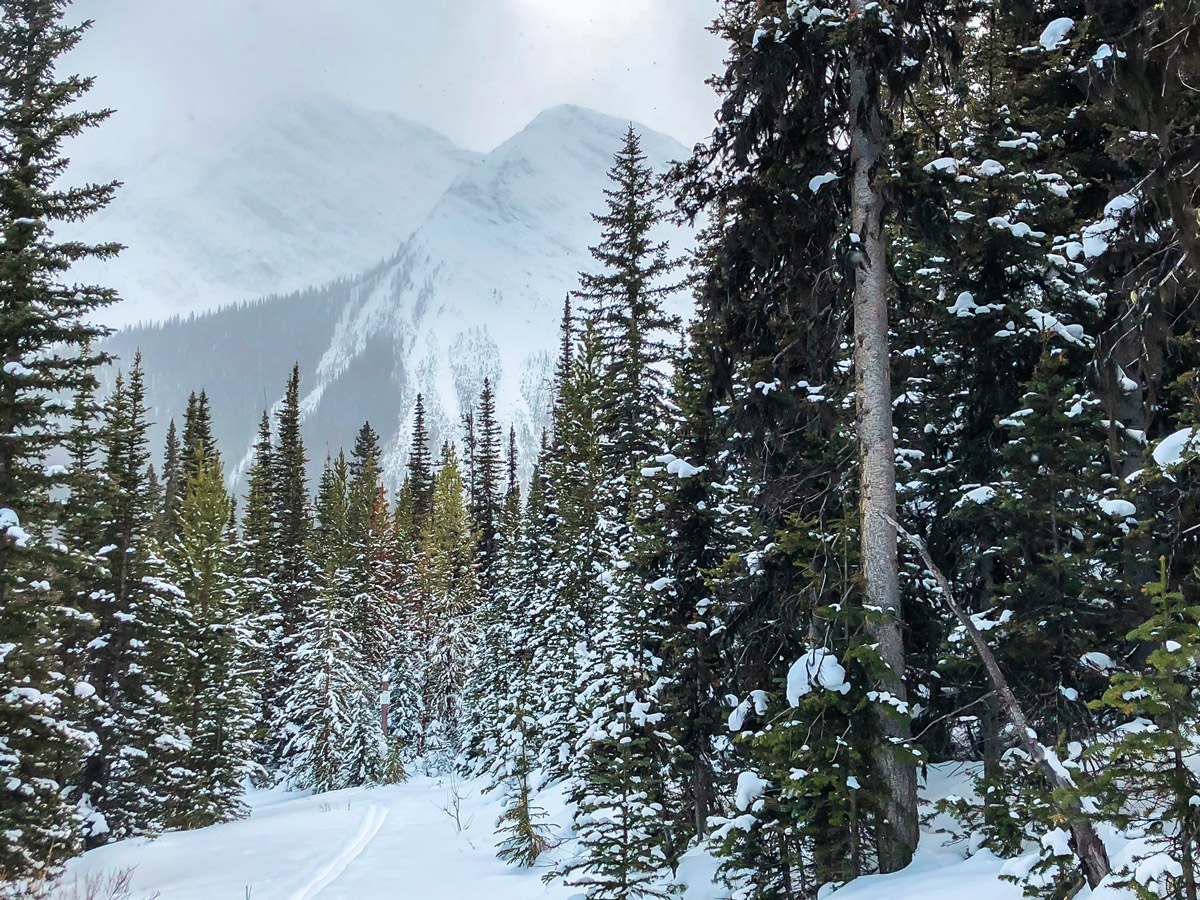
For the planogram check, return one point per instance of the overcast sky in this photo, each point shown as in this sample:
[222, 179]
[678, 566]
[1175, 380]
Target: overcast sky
[477, 70]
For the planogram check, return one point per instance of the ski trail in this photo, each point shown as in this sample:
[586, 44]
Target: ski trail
[371, 824]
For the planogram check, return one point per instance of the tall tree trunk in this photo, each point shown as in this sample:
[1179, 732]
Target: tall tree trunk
[898, 832]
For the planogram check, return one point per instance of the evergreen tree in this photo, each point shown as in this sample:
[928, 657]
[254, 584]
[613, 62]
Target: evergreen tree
[321, 689]
[45, 332]
[212, 695]
[257, 556]
[128, 780]
[448, 588]
[625, 303]
[295, 572]
[1146, 775]
[291, 509]
[420, 469]
[619, 772]
[197, 442]
[172, 480]
[487, 488]
[568, 602]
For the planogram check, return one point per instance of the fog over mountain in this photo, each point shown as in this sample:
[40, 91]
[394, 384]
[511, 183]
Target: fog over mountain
[432, 293]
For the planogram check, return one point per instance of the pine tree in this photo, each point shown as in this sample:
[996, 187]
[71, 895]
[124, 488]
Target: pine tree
[82, 566]
[197, 442]
[129, 779]
[212, 695]
[420, 468]
[172, 479]
[257, 556]
[684, 536]
[295, 570]
[448, 592]
[498, 670]
[618, 786]
[625, 303]
[800, 159]
[45, 332]
[372, 550]
[372, 573]
[524, 836]
[568, 599]
[1146, 776]
[291, 509]
[486, 488]
[319, 700]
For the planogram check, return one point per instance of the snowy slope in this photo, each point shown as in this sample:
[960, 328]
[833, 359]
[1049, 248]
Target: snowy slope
[400, 842]
[475, 292]
[294, 194]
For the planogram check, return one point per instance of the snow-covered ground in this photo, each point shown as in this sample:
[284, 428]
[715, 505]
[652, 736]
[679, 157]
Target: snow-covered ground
[359, 844]
[403, 841]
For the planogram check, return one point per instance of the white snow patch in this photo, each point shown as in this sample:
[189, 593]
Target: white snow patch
[1056, 32]
[1098, 660]
[749, 788]
[1119, 508]
[1169, 452]
[819, 181]
[818, 668]
[964, 306]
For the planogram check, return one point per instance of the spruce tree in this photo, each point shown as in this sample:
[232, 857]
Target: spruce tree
[1145, 773]
[420, 468]
[321, 690]
[197, 442]
[128, 780]
[292, 523]
[624, 301]
[568, 599]
[45, 331]
[172, 481]
[487, 488]
[448, 593]
[257, 556]
[212, 695]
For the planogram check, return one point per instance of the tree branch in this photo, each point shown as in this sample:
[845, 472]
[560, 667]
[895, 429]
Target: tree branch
[1088, 846]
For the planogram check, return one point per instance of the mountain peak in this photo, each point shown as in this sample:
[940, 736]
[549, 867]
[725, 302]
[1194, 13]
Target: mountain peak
[475, 292]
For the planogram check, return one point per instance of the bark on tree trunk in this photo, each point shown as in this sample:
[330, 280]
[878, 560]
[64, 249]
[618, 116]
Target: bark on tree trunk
[898, 832]
[1088, 847]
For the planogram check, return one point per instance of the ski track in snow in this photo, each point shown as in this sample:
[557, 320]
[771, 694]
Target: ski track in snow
[371, 824]
[406, 846]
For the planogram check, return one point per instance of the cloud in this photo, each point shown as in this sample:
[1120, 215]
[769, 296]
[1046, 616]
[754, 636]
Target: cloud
[477, 70]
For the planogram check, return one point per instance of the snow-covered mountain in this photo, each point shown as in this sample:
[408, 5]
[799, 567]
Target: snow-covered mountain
[475, 291]
[297, 193]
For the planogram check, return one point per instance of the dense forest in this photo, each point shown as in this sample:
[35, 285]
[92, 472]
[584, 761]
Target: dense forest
[920, 481]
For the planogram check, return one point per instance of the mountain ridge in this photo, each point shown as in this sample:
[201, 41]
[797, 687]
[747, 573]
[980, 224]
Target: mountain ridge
[474, 292]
